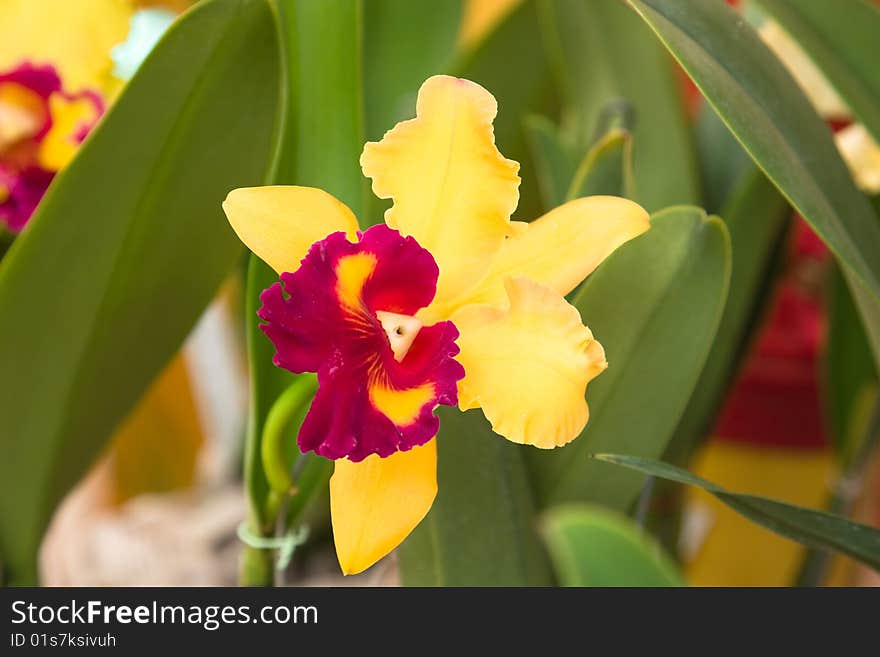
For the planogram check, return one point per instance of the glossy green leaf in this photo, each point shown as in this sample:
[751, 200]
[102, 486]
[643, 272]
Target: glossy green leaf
[770, 115]
[607, 169]
[724, 164]
[841, 38]
[481, 529]
[655, 305]
[849, 372]
[600, 51]
[591, 546]
[128, 247]
[756, 217]
[405, 43]
[813, 528]
[553, 162]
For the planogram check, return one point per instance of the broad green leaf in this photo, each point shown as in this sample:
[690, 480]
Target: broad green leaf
[509, 63]
[599, 52]
[849, 372]
[841, 38]
[133, 234]
[654, 305]
[405, 43]
[756, 217]
[607, 169]
[813, 528]
[770, 115]
[591, 546]
[553, 162]
[481, 529]
[724, 164]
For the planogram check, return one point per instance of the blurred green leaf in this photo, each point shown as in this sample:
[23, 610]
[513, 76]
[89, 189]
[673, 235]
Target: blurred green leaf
[509, 63]
[600, 51]
[481, 529]
[813, 528]
[133, 232]
[591, 546]
[654, 304]
[405, 43]
[607, 168]
[842, 39]
[849, 372]
[554, 165]
[756, 217]
[767, 111]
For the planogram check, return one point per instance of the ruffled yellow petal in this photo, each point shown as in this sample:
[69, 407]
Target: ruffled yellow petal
[68, 116]
[280, 223]
[528, 365]
[376, 503]
[453, 191]
[75, 36]
[561, 248]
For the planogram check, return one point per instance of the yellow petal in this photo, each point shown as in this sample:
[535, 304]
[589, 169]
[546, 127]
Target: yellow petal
[862, 156]
[561, 248]
[75, 36]
[481, 17]
[453, 191]
[68, 116]
[528, 365]
[280, 223]
[376, 503]
[811, 80]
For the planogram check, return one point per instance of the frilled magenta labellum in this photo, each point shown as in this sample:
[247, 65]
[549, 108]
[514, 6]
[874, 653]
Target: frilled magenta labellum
[449, 303]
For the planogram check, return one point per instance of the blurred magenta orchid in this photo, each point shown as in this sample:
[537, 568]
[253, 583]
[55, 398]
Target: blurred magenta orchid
[55, 79]
[449, 303]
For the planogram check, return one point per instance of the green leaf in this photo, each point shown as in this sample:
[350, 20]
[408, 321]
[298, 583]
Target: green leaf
[770, 115]
[607, 168]
[756, 217]
[724, 165]
[654, 304]
[127, 248]
[404, 44]
[601, 52]
[480, 531]
[849, 372]
[841, 38]
[813, 528]
[553, 163]
[591, 546]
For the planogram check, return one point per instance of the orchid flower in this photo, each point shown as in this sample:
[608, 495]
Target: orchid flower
[54, 84]
[449, 303]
